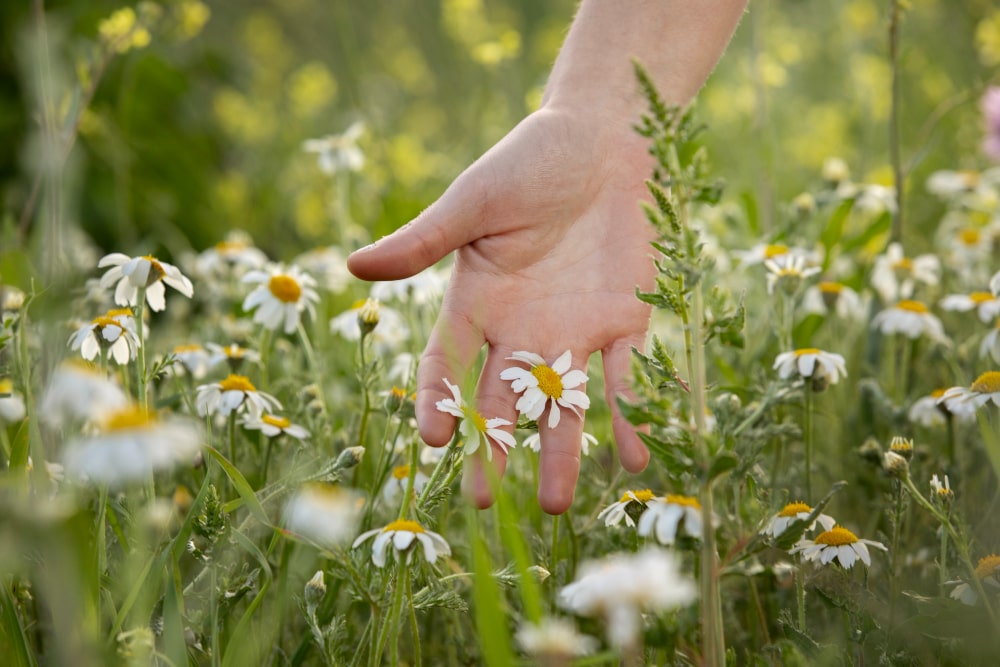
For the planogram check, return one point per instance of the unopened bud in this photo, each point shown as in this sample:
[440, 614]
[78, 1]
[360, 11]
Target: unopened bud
[871, 451]
[368, 316]
[895, 465]
[350, 457]
[315, 589]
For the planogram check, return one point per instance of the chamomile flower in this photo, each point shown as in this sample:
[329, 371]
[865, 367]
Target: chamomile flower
[403, 535]
[399, 481]
[788, 272]
[621, 587]
[272, 426]
[130, 444]
[235, 392]
[949, 184]
[765, 251]
[389, 332]
[941, 491]
[79, 391]
[792, 512]
[628, 508]
[234, 256]
[193, 359]
[11, 403]
[425, 287]
[665, 517]
[534, 442]
[134, 273]
[11, 302]
[233, 354]
[909, 318]
[926, 410]
[328, 265]
[896, 276]
[988, 573]
[323, 513]
[990, 344]
[113, 333]
[986, 305]
[476, 430]
[985, 389]
[553, 640]
[281, 295]
[832, 297]
[838, 544]
[542, 385]
[811, 363]
[338, 152]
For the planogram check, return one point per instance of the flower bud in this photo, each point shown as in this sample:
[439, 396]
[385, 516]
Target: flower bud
[349, 458]
[368, 316]
[895, 465]
[315, 589]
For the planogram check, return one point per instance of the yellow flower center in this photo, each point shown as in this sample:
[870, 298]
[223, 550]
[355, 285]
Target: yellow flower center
[687, 501]
[548, 381]
[903, 264]
[403, 524]
[279, 422]
[836, 537]
[401, 472]
[987, 383]
[806, 350]
[235, 352]
[227, 247]
[794, 509]
[477, 419]
[901, 444]
[981, 297]
[237, 383]
[775, 250]
[970, 178]
[969, 236]
[285, 288]
[156, 271]
[938, 393]
[129, 418]
[912, 306]
[830, 288]
[643, 496]
[192, 347]
[6, 386]
[987, 566]
[370, 312]
[109, 319]
[398, 393]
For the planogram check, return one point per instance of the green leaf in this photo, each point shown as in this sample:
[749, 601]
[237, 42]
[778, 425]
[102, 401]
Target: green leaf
[804, 330]
[795, 530]
[835, 229]
[723, 462]
[878, 227]
[531, 595]
[242, 486]
[17, 652]
[491, 621]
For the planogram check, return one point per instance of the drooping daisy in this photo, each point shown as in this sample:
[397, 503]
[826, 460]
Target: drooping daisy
[130, 445]
[948, 184]
[664, 517]
[234, 256]
[399, 481]
[896, 276]
[403, 535]
[11, 404]
[986, 305]
[811, 363]
[628, 508]
[926, 410]
[990, 344]
[338, 152]
[389, 333]
[11, 302]
[542, 385]
[941, 491]
[272, 426]
[839, 544]
[236, 392]
[234, 355]
[553, 641]
[281, 295]
[477, 430]
[788, 272]
[79, 391]
[910, 318]
[988, 573]
[133, 273]
[114, 333]
[326, 514]
[193, 359]
[792, 512]
[534, 442]
[986, 388]
[833, 297]
[621, 587]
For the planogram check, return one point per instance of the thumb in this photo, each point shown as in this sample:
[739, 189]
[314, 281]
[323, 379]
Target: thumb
[449, 223]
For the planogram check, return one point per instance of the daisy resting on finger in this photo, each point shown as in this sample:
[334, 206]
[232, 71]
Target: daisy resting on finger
[542, 385]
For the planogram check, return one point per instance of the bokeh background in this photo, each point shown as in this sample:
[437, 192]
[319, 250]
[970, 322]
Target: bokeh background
[197, 128]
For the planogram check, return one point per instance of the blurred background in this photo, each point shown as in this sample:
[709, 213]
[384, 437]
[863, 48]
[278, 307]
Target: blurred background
[194, 123]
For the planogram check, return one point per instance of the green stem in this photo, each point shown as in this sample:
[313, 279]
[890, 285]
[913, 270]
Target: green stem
[894, 143]
[808, 435]
[943, 562]
[414, 627]
[897, 520]
[800, 599]
[267, 460]
[140, 308]
[311, 362]
[391, 621]
[409, 492]
[232, 437]
[362, 429]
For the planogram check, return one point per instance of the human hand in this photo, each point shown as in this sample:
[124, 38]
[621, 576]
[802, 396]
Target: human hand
[551, 243]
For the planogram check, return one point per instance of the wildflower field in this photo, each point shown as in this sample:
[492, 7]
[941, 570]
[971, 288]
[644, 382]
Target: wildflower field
[207, 425]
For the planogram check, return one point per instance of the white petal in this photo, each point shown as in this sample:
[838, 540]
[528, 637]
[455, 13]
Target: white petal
[402, 539]
[573, 379]
[563, 363]
[528, 358]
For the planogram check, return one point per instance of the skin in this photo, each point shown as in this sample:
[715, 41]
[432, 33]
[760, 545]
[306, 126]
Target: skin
[549, 239]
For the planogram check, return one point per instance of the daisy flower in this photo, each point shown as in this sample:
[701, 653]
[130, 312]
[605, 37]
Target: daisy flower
[941, 491]
[272, 426]
[280, 296]
[986, 305]
[131, 444]
[765, 251]
[629, 507]
[328, 265]
[425, 287]
[948, 184]
[811, 363]
[338, 152]
[236, 254]
[232, 354]
[792, 512]
[193, 359]
[541, 384]
[553, 641]
[477, 430]
[78, 391]
[833, 297]
[534, 442]
[986, 388]
[11, 302]
[665, 516]
[399, 481]
[11, 403]
[839, 544]
[403, 535]
[910, 318]
[621, 587]
[991, 343]
[787, 271]
[835, 170]
[926, 410]
[390, 332]
[323, 513]
[113, 333]
[896, 276]
[988, 573]
[236, 392]
[133, 273]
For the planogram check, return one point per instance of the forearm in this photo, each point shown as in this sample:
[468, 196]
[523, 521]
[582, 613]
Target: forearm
[677, 41]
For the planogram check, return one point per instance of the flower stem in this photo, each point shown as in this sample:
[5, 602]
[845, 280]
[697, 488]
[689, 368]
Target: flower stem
[800, 599]
[391, 621]
[895, 19]
[232, 437]
[808, 435]
[410, 492]
[140, 307]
